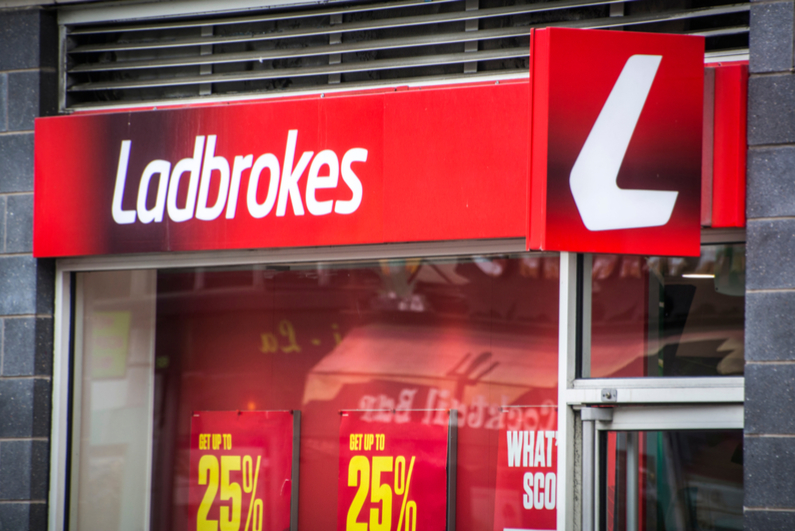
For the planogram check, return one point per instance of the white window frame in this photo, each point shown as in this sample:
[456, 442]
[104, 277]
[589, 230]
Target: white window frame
[692, 398]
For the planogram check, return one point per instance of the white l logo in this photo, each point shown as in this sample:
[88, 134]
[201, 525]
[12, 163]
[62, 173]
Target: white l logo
[602, 204]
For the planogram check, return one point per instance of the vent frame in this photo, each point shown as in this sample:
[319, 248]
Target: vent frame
[300, 48]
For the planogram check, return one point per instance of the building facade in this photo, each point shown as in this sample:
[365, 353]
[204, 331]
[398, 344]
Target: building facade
[36, 417]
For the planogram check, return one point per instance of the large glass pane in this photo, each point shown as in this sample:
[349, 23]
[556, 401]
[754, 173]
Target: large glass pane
[672, 481]
[389, 342]
[662, 316]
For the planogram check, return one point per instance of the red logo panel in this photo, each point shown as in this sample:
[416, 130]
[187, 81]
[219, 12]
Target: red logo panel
[616, 142]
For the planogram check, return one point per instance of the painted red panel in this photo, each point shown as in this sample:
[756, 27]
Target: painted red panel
[392, 476]
[575, 74]
[728, 185]
[441, 164]
[458, 167]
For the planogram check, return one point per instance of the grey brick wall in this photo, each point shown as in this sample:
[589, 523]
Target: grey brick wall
[770, 303]
[27, 90]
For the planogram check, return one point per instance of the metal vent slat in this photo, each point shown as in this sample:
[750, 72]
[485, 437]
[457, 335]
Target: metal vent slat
[402, 22]
[613, 22]
[382, 64]
[354, 44]
[722, 31]
[338, 10]
[384, 44]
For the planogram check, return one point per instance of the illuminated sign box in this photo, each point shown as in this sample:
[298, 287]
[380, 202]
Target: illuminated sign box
[510, 159]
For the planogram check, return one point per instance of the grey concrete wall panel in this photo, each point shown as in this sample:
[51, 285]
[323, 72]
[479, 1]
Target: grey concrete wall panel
[28, 39]
[770, 257]
[770, 399]
[769, 469]
[771, 109]
[3, 102]
[33, 94]
[769, 520]
[31, 516]
[45, 286]
[19, 280]
[769, 330]
[19, 223]
[24, 92]
[771, 37]
[24, 407]
[771, 174]
[2, 223]
[16, 163]
[23, 467]
[23, 336]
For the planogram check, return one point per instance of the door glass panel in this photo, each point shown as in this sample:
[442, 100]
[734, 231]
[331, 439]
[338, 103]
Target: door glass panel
[672, 480]
[668, 316]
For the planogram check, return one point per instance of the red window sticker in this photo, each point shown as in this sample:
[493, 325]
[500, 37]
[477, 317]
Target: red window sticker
[241, 470]
[527, 463]
[392, 477]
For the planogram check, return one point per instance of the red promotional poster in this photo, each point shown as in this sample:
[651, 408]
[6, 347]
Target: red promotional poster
[525, 494]
[616, 142]
[393, 477]
[241, 470]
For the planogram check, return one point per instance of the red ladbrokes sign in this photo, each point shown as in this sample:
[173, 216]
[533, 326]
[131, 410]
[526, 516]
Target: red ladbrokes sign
[610, 164]
[376, 167]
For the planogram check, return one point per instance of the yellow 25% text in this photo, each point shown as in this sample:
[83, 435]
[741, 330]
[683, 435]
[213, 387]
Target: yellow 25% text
[369, 479]
[211, 474]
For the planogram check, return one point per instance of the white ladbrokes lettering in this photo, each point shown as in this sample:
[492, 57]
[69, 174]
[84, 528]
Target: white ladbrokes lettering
[192, 177]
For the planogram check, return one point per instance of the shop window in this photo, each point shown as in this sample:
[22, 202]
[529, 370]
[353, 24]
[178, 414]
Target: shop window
[672, 480]
[392, 343]
[666, 316]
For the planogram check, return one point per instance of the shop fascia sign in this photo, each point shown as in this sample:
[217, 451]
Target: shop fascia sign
[598, 151]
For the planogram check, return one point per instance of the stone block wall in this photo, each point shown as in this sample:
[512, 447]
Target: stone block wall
[28, 42]
[769, 447]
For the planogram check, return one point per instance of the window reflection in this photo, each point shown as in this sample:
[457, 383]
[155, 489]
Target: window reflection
[111, 423]
[663, 316]
[400, 336]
